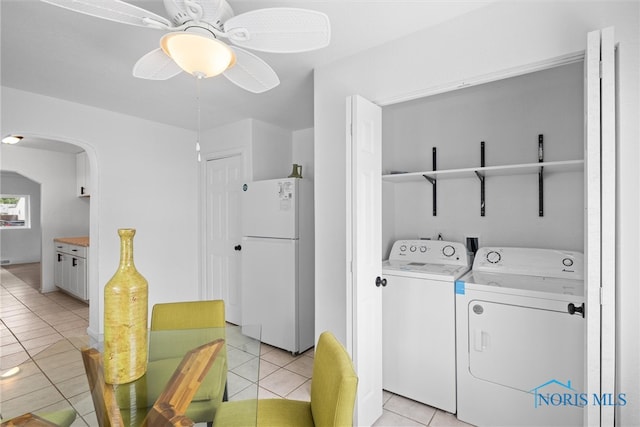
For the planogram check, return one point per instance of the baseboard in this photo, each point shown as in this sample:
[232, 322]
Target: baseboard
[95, 338]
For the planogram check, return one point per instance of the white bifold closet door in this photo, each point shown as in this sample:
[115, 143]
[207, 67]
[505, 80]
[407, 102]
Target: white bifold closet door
[600, 222]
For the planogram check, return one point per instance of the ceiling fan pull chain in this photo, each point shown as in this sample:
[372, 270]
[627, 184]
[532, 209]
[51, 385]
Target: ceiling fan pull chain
[198, 91]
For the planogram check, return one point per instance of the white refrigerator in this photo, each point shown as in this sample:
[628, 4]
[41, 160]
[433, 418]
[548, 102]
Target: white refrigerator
[277, 262]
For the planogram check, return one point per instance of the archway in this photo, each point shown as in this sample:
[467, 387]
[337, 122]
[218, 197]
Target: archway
[51, 161]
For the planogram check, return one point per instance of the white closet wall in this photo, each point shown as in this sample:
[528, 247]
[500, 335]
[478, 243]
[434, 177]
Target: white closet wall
[508, 115]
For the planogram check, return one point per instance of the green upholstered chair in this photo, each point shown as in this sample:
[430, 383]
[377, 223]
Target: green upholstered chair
[183, 315]
[188, 315]
[333, 393]
[61, 418]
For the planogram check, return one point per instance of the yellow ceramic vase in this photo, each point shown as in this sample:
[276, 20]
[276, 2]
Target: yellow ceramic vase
[125, 318]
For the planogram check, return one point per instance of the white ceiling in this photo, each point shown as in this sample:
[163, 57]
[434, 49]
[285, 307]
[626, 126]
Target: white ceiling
[59, 53]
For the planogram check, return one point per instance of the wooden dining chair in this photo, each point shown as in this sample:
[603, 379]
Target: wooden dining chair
[170, 407]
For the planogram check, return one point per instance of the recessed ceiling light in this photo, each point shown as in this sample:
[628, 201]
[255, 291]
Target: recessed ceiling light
[12, 139]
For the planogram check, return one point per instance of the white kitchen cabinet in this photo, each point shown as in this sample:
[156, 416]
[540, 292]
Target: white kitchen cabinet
[82, 175]
[59, 264]
[70, 271]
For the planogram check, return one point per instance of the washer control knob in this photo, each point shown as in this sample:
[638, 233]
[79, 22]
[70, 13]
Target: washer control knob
[448, 251]
[567, 262]
[494, 257]
[412, 248]
[423, 249]
[403, 248]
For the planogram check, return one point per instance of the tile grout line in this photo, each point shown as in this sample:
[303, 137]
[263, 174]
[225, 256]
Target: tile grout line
[29, 355]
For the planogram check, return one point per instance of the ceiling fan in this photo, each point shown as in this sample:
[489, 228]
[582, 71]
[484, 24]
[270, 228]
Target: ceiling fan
[195, 28]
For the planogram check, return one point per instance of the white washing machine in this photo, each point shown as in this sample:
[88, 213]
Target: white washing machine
[520, 338]
[418, 320]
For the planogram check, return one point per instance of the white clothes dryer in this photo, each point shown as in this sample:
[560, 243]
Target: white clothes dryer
[418, 320]
[520, 338]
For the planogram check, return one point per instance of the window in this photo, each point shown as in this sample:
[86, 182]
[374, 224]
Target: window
[14, 211]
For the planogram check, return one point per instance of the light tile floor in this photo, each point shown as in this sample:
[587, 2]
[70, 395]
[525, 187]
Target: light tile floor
[31, 322]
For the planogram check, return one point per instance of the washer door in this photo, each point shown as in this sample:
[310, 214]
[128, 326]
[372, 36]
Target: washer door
[419, 341]
[524, 347]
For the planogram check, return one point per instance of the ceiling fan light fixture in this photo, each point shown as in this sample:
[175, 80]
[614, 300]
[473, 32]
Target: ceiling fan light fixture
[199, 55]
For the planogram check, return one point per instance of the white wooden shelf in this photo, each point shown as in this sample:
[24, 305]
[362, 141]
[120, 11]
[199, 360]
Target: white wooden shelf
[520, 169]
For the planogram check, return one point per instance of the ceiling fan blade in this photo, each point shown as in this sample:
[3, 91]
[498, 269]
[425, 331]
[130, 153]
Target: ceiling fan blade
[156, 65]
[114, 10]
[251, 73]
[281, 30]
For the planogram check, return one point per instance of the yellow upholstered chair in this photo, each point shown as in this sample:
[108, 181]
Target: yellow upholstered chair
[333, 392]
[188, 315]
[212, 391]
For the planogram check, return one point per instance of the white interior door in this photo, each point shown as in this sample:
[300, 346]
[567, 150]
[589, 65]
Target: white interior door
[608, 184]
[364, 226]
[600, 222]
[223, 239]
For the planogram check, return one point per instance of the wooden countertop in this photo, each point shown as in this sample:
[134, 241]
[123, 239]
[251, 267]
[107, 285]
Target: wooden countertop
[78, 241]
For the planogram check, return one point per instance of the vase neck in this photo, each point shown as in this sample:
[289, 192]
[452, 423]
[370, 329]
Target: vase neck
[126, 249]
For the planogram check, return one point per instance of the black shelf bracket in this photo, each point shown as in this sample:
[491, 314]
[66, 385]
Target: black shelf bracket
[540, 176]
[481, 178]
[433, 181]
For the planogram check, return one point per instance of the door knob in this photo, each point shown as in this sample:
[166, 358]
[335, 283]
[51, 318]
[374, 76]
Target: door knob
[573, 309]
[237, 247]
[380, 281]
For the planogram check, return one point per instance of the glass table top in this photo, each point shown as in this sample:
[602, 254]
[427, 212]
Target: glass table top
[55, 378]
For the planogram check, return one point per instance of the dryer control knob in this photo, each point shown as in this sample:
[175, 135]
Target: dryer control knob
[494, 257]
[567, 262]
[403, 248]
[412, 248]
[448, 251]
[423, 249]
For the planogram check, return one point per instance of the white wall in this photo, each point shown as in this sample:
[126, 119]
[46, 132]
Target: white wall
[302, 151]
[21, 245]
[507, 115]
[271, 151]
[62, 213]
[266, 148]
[140, 171]
[498, 37]
[236, 135]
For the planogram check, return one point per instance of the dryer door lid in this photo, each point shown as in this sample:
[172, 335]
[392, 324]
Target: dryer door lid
[524, 347]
